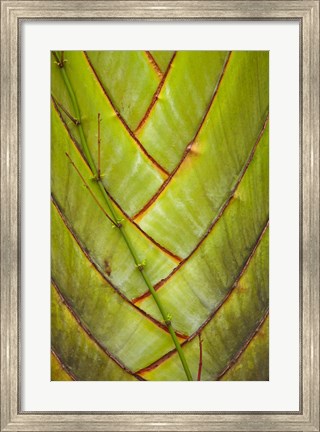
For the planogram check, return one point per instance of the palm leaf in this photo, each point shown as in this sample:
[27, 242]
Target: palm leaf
[184, 160]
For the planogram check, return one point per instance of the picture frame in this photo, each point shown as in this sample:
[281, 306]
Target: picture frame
[306, 13]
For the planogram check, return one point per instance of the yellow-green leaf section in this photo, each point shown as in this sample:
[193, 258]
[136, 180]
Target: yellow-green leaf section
[79, 352]
[96, 232]
[209, 173]
[58, 372]
[124, 166]
[205, 278]
[181, 105]
[120, 73]
[229, 329]
[203, 234]
[162, 58]
[99, 306]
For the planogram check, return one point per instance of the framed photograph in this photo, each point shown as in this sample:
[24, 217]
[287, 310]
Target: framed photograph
[159, 215]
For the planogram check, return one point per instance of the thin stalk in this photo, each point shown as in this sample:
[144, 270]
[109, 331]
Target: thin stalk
[89, 190]
[75, 121]
[119, 225]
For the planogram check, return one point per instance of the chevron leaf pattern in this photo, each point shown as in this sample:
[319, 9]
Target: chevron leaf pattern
[180, 142]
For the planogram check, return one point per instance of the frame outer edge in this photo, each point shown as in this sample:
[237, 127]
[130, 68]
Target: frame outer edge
[11, 419]
[155, 9]
[313, 196]
[310, 215]
[9, 216]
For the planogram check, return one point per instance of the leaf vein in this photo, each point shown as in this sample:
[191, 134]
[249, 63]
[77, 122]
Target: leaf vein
[124, 123]
[84, 328]
[187, 149]
[63, 366]
[156, 95]
[215, 220]
[79, 150]
[154, 64]
[244, 347]
[215, 310]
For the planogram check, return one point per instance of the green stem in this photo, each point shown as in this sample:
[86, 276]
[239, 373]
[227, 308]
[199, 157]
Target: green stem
[121, 228]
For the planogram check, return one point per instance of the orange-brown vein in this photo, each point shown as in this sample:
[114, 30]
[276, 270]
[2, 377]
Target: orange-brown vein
[124, 123]
[244, 347]
[63, 366]
[156, 95]
[154, 64]
[215, 310]
[89, 334]
[101, 273]
[187, 150]
[79, 150]
[215, 220]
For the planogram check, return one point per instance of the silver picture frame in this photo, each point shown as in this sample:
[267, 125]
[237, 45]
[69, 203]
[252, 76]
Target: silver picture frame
[13, 13]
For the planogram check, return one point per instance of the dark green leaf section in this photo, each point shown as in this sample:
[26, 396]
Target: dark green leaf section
[231, 326]
[239, 317]
[100, 307]
[253, 364]
[91, 226]
[205, 278]
[77, 350]
[181, 105]
[58, 373]
[162, 58]
[120, 73]
[210, 171]
[124, 166]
